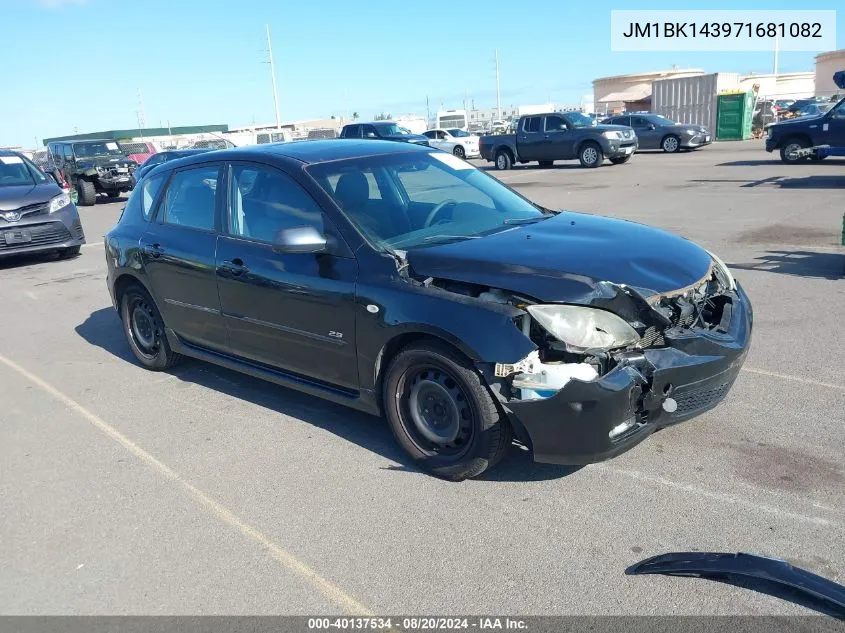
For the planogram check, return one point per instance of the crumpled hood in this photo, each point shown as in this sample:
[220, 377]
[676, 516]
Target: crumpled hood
[567, 257]
[12, 198]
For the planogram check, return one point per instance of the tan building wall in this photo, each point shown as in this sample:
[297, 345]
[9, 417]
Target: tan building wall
[782, 85]
[612, 92]
[827, 64]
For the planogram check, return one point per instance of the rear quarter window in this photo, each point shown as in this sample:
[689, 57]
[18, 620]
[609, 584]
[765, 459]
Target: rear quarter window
[139, 207]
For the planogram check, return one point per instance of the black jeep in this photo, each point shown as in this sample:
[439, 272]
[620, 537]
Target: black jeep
[92, 167]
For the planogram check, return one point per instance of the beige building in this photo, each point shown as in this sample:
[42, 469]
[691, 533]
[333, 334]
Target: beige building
[611, 93]
[827, 64]
[781, 86]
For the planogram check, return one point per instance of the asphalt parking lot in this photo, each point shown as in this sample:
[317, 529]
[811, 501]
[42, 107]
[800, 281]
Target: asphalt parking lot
[203, 491]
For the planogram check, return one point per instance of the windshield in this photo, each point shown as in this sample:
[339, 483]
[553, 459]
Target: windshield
[577, 119]
[16, 171]
[96, 148]
[402, 201]
[391, 129]
[457, 132]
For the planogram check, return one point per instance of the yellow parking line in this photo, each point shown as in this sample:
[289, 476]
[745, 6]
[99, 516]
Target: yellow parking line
[806, 381]
[285, 558]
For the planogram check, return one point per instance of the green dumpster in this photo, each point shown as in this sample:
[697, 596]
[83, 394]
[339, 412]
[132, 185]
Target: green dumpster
[733, 116]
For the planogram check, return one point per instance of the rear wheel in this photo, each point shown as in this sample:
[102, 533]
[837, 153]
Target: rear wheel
[590, 155]
[545, 164]
[503, 160]
[459, 152]
[144, 330]
[86, 192]
[788, 150]
[442, 413]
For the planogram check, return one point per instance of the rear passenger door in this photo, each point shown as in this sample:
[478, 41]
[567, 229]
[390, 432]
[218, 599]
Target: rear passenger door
[177, 254]
[530, 139]
[292, 311]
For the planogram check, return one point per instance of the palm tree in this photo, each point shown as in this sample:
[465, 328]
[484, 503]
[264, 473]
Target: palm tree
[355, 115]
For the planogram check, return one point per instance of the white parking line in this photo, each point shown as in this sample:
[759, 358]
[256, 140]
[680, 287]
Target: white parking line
[286, 559]
[806, 381]
[718, 496]
[92, 244]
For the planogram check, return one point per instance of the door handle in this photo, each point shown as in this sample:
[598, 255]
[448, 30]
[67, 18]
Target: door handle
[152, 250]
[234, 267]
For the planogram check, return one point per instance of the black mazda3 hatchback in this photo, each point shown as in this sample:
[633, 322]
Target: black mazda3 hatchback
[401, 281]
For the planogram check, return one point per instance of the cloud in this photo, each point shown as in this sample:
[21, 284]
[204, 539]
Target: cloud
[57, 4]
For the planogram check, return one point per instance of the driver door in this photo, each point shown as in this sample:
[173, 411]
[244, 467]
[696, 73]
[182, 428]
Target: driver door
[560, 139]
[648, 134]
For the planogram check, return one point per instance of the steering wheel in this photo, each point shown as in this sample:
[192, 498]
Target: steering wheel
[436, 210]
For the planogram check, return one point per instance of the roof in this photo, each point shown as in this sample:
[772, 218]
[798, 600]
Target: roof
[316, 151]
[655, 73]
[633, 94]
[120, 135]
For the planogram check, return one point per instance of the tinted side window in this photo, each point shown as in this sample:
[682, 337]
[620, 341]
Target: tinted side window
[264, 201]
[554, 123]
[638, 121]
[142, 197]
[532, 124]
[430, 134]
[67, 150]
[190, 198]
[370, 131]
[352, 131]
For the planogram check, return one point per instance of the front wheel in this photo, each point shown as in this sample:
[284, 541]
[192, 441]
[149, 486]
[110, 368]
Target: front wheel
[671, 144]
[144, 330]
[619, 160]
[459, 152]
[86, 192]
[590, 155]
[789, 151]
[441, 412]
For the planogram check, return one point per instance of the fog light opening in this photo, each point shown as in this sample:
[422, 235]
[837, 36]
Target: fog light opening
[619, 429]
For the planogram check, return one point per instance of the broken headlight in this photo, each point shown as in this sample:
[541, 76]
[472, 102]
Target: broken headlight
[722, 273]
[583, 328]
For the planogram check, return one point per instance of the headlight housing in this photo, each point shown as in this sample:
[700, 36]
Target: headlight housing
[59, 202]
[583, 328]
[691, 131]
[612, 134]
[723, 272]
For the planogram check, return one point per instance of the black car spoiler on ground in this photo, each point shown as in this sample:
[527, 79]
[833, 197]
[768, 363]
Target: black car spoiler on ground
[771, 576]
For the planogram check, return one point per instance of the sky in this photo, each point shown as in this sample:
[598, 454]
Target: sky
[91, 65]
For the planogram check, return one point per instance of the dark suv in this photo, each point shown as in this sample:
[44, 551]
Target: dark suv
[384, 130]
[95, 166]
[401, 280]
[791, 135]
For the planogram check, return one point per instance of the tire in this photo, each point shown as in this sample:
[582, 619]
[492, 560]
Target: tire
[621, 160]
[459, 152]
[86, 192]
[70, 253]
[790, 146]
[503, 160]
[671, 144]
[144, 330]
[545, 164]
[113, 194]
[590, 155]
[476, 434]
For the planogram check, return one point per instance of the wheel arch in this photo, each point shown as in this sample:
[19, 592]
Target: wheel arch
[504, 148]
[798, 135]
[121, 283]
[587, 141]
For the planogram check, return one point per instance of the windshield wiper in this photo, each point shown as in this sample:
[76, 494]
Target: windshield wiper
[438, 238]
[538, 218]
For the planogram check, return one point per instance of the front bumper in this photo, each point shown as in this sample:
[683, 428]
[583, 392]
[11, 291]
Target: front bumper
[697, 140]
[43, 232]
[121, 182]
[771, 144]
[617, 149]
[696, 370]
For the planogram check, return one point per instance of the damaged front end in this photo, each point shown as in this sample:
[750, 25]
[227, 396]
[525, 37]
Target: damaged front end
[607, 374]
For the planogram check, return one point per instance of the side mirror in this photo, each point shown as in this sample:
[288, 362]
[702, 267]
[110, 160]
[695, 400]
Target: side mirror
[371, 135]
[650, 126]
[300, 239]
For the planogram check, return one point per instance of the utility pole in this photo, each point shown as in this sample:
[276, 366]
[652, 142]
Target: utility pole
[775, 71]
[140, 113]
[273, 76]
[498, 96]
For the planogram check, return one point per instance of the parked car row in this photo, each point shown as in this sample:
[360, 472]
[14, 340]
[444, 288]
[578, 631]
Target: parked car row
[453, 140]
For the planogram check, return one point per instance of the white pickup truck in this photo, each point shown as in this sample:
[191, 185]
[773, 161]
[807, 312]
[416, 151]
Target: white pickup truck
[461, 144]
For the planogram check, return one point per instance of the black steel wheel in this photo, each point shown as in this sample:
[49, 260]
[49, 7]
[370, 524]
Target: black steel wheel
[442, 413]
[144, 330]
